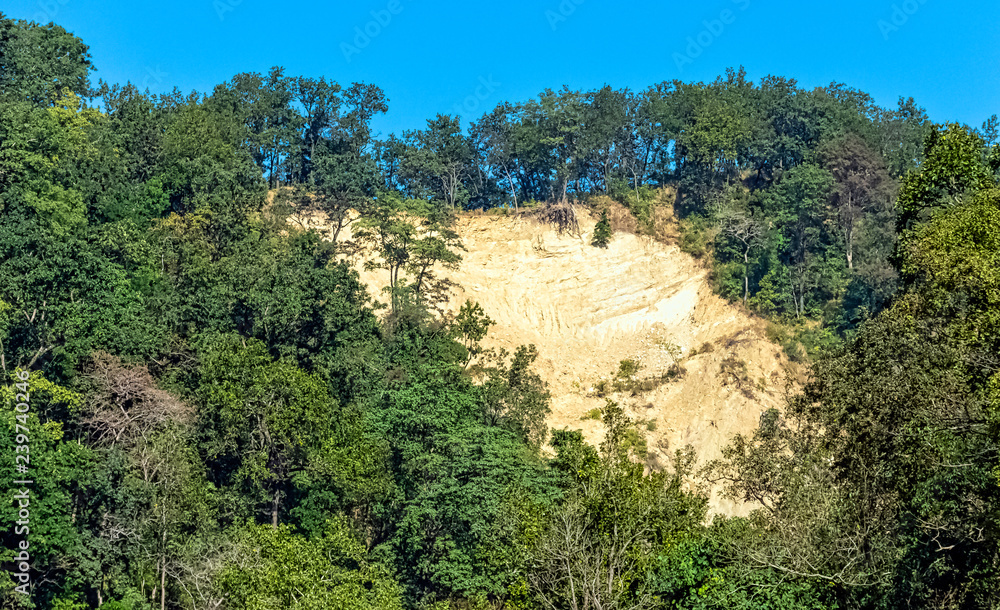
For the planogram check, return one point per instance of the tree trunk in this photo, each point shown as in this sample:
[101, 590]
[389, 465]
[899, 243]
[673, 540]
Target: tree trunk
[746, 275]
[274, 510]
[513, 193]
[163, 566]
[338, 226]
[850, 248]
[163, 585]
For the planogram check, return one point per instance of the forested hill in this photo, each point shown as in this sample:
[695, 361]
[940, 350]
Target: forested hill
[214, 411]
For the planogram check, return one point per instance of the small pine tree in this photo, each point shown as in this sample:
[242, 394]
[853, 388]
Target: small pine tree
[602, 232]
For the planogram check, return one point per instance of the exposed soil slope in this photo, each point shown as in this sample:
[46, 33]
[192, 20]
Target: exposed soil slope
[588, 308]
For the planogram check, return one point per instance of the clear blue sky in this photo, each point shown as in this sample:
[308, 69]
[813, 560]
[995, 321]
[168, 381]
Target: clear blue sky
[430, 57]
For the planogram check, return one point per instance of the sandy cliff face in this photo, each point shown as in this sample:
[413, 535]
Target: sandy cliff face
[587, 308]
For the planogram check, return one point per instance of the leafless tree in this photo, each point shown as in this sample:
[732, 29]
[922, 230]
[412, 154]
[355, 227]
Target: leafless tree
[580, 569]
[126, 404]
[747, 230]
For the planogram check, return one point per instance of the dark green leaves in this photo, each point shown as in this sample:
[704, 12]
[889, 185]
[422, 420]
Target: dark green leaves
[38, 61]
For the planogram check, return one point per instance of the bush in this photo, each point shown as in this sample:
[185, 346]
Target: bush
[642, 205]
[775, 333]
[794, 350]
[676, 371]
[803, 343]
[695, 236]
[672, 350]
[602, 232]
[627, 369]
[635, 442]
[818, 340]
[727, 280]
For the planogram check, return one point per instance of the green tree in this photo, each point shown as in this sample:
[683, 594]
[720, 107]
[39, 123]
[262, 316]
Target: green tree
[861, 185]
[493, 136]
[599, 547]
[288, 291]
[747, 233]
[470, 327]
[437, 162]
[278, 568]
[448, 527]
[344, 183]
[64, 550]
[602, 231]
[409, 240]
[38, 61]
[882, 481]
[320, 102]
[799, 205]
[514, 397]
[261, 422]
[953, 166]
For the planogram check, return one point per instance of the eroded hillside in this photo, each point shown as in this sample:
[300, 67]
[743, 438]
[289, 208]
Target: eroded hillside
[587, 309]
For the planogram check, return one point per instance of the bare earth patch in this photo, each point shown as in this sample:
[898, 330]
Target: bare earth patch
[588, 308]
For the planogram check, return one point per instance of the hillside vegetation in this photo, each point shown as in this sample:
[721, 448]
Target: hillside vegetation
[454, 391]
[588, 309]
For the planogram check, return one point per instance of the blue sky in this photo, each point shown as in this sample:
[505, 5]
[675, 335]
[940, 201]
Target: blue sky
[438, 57]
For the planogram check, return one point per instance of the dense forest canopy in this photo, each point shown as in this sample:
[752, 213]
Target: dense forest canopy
[222, 416]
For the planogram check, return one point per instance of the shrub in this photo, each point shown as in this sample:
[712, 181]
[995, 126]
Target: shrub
[627, 369]
[635, 442]
[695, 236]
[676, 371]
[775, 333]
[672, 350]
[602, 232]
